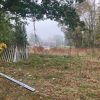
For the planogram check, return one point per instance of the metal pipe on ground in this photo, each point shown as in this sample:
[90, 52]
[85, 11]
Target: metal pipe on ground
[18, 82]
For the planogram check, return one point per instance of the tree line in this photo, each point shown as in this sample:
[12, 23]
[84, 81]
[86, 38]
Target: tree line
[86, 34]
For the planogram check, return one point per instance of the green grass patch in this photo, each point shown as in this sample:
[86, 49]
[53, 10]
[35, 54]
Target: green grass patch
[84, 86]
[40, 61]
[92, 95]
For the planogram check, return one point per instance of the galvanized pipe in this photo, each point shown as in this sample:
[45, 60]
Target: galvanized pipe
[18, 82]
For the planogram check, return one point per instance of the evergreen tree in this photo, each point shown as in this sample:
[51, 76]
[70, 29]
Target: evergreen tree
[6, 32]
[20, 33]
[61, 11]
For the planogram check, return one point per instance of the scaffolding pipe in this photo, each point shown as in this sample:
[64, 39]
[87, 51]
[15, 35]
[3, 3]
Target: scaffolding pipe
[18, 82]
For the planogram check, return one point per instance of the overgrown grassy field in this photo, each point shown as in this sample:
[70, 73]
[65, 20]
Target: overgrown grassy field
[53, 77]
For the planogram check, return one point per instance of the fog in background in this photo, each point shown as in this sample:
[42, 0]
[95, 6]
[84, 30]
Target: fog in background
[44, 29]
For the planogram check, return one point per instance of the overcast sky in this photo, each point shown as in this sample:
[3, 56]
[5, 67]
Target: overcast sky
[45, 29]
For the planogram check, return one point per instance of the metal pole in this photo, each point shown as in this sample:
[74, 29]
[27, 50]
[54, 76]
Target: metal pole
[18, 82]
